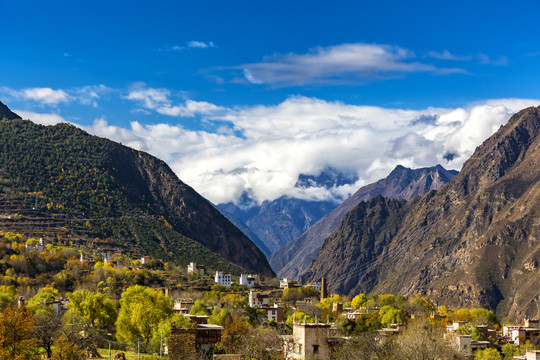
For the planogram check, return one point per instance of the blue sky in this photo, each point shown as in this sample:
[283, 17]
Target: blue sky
[226, 92]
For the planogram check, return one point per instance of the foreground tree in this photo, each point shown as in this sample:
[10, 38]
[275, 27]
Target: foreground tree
[99, 310]
[16, 342]
[488, 354]
[262, 344]
[66, 350]
[422, 340]
[367, 346]
[48, 327]
[234, 333]
[141, 310]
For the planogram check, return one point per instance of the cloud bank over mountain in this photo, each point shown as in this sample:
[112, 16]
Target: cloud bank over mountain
[262, 149]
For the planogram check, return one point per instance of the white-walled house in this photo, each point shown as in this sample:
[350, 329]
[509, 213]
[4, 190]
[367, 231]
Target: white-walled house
[223, 280]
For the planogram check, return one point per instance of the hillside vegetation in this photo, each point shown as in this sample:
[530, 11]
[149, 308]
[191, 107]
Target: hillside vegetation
[87, 186]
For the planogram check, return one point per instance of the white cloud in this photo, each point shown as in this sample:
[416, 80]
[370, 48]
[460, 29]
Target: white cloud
[263, 149]
[200, 44]
[190, 45]
[306, 135]
[479, 57]
[343, 63]
[87, 95]
[45, 95]
[149, 98]
[41, 118]
[158, 100]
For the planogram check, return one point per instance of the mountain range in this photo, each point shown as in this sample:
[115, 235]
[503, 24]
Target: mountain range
[292, 259]
[87, 187]
[280, 221]
[474, 242]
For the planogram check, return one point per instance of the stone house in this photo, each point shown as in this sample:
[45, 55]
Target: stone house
[311, 341]
[192, 343]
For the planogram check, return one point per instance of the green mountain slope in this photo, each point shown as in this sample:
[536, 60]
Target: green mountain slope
[119, 191]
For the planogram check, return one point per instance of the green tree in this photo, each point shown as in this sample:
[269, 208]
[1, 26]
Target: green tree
[163, 331]
[387, 299]
[391, 315]
[199, 308]
[344, 325]
[7, 296]
[509, 350]
[463, 315]
[234, 333]
[488, 354]
[98, 309]
[141, 310]
[482, 316]
[219, 317]
[358, 301]
[37, 303]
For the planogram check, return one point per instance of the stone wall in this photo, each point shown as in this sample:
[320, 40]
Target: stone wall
[183, 344]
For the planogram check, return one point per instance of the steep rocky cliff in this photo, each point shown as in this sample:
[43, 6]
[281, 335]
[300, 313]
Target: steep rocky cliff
[294, 258]
[474, 242]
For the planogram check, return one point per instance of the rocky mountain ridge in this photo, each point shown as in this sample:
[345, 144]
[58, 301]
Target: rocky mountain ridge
[402, 183]
[474, 242]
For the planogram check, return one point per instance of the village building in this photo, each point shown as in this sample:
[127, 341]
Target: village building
[273, 312]
[145, 259]
[36, 245]
[60, 306]
[183, 306]
[315, 285]
[337, 307]
[530, 355]
[192, 343]
[85, 259]
[288, 283]
[465, 345]
[392, 329]
[258, 300]
[353, 315]
[247, 280]
[195, 269]
[311, 341]
[223, 280]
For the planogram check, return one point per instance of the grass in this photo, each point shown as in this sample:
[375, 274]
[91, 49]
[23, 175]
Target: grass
[130, 355]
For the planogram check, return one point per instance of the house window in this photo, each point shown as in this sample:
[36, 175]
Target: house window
[315, 349]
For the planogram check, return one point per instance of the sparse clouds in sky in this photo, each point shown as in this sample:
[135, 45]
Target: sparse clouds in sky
[159, 100]
[340, 64]
[190, 45]
[48, 96]
[480, 58]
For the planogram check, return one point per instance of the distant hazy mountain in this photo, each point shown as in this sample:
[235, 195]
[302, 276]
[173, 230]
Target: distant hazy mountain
[247, 231]
[282, 220]
[294, 258]
[474, 242]
[91, 187]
